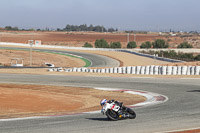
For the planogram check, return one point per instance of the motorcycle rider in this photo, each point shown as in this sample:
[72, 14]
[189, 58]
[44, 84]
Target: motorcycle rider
[104, 101]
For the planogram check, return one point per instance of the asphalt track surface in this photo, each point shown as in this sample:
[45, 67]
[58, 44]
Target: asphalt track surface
[96, 60]
[181, 111]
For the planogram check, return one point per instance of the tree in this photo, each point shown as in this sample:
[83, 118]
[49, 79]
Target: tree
[111, 30]
[8, 28]
[146, 45]
[101, 43]
[12, 28]
[185, 45]
[160, 43]
[132, 44]
[115, 45]
[91, 28]
[88, 45]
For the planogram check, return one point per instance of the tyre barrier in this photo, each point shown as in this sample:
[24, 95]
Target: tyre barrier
[143, 70]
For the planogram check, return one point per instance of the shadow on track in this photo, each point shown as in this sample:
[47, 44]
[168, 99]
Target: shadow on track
[194, 91]
[98, 119]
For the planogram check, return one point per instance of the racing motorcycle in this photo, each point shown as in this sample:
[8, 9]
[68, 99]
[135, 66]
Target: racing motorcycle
[115, 111]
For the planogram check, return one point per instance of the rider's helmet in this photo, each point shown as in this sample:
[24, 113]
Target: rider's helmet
[103, 102]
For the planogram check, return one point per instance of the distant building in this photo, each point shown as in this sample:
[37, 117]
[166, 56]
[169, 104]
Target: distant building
[17, 62]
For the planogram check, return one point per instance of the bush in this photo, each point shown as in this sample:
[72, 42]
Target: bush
[115, 45]
[132, 44]
[101, 43]
[197, 57]
[88, 45]
[186, 56]
[160, 43]
[146, 45]
[185, 45]
[173, 55]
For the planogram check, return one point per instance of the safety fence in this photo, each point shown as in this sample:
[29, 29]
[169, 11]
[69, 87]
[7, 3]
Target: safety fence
[151, 56]
[142, 70]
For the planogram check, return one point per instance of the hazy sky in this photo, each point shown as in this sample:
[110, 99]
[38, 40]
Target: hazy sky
[123, 14]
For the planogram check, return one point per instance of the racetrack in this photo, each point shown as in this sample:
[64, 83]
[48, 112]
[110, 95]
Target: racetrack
[181, 111]
[96, 60]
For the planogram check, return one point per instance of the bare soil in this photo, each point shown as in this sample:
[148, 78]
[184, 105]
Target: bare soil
[37, 100]
[194, 63]
[78, 39]
[39, 59]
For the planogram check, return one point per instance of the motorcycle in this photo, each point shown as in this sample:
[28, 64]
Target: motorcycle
[116, 112]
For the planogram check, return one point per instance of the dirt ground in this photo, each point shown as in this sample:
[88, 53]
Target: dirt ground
[39, 59]
[78, 39]
[37, 100]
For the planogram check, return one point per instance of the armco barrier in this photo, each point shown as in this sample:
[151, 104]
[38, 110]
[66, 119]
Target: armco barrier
[143, 70]
[150, 56]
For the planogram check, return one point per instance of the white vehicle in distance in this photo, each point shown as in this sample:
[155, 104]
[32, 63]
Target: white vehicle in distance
[49, 64]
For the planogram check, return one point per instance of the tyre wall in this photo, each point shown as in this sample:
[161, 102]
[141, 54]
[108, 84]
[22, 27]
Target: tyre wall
[140, 70]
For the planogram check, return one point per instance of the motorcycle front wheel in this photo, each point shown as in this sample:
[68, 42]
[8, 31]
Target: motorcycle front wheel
[112, 115]
[132, 114]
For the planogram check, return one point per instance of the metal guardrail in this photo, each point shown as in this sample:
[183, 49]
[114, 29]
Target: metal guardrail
[151, 56]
